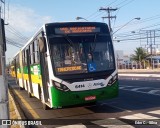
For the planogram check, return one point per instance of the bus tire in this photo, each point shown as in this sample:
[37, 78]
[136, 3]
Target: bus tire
[17, 82]
[20, 88]
[29, 95]
[45, 107]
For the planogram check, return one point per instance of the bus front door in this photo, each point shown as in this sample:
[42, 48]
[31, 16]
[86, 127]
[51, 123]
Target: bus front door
[45, 79]
[29, 84]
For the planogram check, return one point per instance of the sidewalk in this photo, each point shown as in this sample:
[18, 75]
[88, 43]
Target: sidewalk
[138, 70]
[139, 74]
[14, 110]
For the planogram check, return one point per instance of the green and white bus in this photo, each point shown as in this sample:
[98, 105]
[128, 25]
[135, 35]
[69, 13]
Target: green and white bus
[68, 63]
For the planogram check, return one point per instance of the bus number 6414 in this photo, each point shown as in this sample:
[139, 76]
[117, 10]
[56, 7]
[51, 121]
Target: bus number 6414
[80, 86]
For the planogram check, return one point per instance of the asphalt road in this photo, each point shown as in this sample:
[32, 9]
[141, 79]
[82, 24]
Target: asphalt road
[137, 101]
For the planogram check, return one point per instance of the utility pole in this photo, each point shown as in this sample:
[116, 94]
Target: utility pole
[151, 44]
[4, 109]
[108, 10]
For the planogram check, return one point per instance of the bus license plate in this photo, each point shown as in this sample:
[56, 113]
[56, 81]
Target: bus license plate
[90, 98]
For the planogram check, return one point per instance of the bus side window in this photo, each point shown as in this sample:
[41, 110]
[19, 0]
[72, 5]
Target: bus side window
[36, 51]
[23, 59]
[31, 53]
[25, 56]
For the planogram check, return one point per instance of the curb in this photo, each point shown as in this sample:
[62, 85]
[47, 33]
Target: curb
[146, 77]
[139, 78]
[17, 109]
[141, 75]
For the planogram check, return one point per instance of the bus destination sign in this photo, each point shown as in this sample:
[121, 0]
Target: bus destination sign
[72, 30]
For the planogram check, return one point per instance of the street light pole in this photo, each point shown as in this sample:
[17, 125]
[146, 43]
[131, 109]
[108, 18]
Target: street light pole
[79, 18]
[137, 18]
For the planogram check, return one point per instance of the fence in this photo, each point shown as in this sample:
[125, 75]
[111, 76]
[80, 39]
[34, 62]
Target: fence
[138, 66]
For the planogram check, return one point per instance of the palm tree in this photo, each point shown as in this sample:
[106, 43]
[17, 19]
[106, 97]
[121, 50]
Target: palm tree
[139, 56]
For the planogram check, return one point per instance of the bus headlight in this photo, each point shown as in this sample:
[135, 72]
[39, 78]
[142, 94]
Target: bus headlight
[60, 86]
[113, 80]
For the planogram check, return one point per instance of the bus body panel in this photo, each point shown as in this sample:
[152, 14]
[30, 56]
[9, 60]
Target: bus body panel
[61, 98]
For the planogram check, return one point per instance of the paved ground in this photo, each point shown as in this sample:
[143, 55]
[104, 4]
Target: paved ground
[133, 88]
[13, 106]
[137, 100]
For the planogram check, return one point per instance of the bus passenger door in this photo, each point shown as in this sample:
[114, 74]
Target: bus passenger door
[45, 76]
[44, 71]
[29, 74]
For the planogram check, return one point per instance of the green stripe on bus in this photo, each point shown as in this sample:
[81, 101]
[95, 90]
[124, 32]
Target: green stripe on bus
[60, 98]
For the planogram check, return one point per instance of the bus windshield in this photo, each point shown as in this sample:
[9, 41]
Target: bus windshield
[75, 54]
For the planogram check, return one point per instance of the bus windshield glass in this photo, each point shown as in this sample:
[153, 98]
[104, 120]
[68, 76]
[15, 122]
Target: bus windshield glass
[75, 54]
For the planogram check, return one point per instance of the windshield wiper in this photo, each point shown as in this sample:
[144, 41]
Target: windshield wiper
[94, 43]
[69, 40]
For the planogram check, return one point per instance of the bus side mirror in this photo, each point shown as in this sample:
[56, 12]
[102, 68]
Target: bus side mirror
[42, 44]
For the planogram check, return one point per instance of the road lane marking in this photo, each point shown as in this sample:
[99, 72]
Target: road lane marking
[141, 75]
[73, 126]
[117, 126]
[26, 104]
[116, 107]
[142, 92]
[136, 89]
[139, 116]
[121, 87]
[155, 112]
[126, 85]
[153, 91]
[112, 123]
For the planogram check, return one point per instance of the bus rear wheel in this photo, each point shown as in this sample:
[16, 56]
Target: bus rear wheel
[30, 95]
[45, 107]
[20, 88]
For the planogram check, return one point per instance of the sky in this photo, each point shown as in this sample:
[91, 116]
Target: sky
[25, 17]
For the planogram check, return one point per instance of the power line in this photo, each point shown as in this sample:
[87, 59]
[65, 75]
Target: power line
[121, 2]
[9, 41]
[2, 1]
[127, 3]
[12, 40]
[17, 32]
[98, 11]
[16, 35]
[108, 10]
[13, 44]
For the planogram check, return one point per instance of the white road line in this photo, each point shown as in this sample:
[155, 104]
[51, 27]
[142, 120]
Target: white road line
[121, 87]
[116, 107]
[151, 88]
[126, 85]
[139, 116]
[142, 92]
[141, 75]
[117, 126]
[153, 91]
[109, 123]
[155, 112]
[136, 89]
[73, 126]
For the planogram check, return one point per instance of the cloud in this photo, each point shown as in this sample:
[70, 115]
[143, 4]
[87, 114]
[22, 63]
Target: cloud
[25, 19]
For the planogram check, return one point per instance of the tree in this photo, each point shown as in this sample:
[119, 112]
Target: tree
[139, 56]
